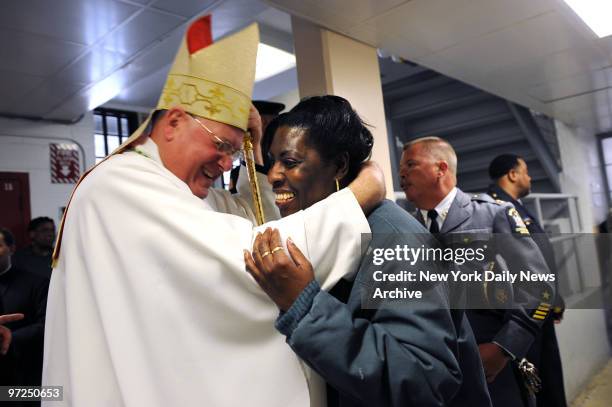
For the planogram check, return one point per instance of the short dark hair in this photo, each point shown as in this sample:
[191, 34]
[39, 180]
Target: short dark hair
[333, 128]
[502, 164]
[36, 222]
[9, 239]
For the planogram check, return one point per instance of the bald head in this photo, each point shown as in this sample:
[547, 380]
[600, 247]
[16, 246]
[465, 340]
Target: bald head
[438, 148]
[428, 171]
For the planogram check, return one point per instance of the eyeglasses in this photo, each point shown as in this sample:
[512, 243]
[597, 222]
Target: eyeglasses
[223, 146]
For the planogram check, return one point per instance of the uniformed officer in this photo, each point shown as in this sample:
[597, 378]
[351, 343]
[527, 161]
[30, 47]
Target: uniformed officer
[510, 175]
[428, 177]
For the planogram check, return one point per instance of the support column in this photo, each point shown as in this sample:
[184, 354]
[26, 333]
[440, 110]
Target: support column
[331, 63]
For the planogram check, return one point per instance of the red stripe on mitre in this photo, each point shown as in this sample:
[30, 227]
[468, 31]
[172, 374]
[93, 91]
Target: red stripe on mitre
[199, 34]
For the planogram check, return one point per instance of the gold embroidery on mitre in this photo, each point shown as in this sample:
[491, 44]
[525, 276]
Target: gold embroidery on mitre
[206, 99]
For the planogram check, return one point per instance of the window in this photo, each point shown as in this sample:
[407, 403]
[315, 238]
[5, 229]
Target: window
[112, 127]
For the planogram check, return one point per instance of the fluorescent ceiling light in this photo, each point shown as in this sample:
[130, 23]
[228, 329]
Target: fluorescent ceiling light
[272, 61]
[104, 91]
[597, 14]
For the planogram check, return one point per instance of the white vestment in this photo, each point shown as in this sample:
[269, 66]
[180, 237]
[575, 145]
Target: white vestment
[150, 304]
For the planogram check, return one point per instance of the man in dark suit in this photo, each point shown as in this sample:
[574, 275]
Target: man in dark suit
[36, 258]
[428, 177]
[25, 293]
[512, 182]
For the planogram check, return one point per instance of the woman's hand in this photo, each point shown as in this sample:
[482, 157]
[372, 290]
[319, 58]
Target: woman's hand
[281, 277]
[369, 186]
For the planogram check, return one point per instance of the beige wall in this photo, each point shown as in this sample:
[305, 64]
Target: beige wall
[330, 63]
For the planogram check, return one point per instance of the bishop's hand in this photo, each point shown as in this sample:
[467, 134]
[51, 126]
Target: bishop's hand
[281, 277]
[369, 186]
[254, 126]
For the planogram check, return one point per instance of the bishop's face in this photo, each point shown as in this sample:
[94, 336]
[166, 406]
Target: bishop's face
[194, 155]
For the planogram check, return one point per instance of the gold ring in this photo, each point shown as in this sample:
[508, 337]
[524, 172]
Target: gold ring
[264, 254]
[277, 248]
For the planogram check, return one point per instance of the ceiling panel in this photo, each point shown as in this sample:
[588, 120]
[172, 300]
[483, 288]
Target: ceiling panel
[276, 19]
[139, 2]
[185, 8]
[432, 25]
[550, 67]
[358, 10]
[523, 50]
[581, 104]
[155, 58]
[318, 10]
[47, 96]
[93, 66]
[144, 29]
[69, 20]
[397, 44]
[14, 86]
[232, 15]
[34, 54]
[572, 86]
[72, 110]
[545, 34]
[143, 93]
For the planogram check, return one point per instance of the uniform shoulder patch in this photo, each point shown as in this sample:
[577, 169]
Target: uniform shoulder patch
[516, 222]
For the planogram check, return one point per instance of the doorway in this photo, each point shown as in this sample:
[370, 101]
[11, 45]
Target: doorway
[15, 204]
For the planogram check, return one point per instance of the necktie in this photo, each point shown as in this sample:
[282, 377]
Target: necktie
[432, 214]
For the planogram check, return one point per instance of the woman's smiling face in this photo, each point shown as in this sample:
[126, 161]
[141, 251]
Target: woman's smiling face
[299, 176]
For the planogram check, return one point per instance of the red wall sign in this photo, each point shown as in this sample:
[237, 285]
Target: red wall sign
[65, 167]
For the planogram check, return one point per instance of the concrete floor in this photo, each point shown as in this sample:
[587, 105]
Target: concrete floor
[598, 393]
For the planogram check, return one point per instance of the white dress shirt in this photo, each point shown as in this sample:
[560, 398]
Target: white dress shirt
[442, 209]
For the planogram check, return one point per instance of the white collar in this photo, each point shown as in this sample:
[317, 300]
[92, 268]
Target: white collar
[149, 149]
[443, 206]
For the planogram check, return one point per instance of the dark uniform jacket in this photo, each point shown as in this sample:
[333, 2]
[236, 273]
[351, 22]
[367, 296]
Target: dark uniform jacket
[544, 352]
[406, 356]
[515, 327]
[26, 293]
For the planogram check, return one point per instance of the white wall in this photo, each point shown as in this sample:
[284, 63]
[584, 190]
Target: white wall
[24, 147]
[584, 348]
[582, 173]
[582, 337]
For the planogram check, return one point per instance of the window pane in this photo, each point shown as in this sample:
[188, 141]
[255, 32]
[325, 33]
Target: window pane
[99, 141]
[606, 146]
[124, 127]
[111, 125]
[98, 123]
[113, 143]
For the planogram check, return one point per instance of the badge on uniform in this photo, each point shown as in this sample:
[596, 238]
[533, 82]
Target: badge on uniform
[516, 222]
